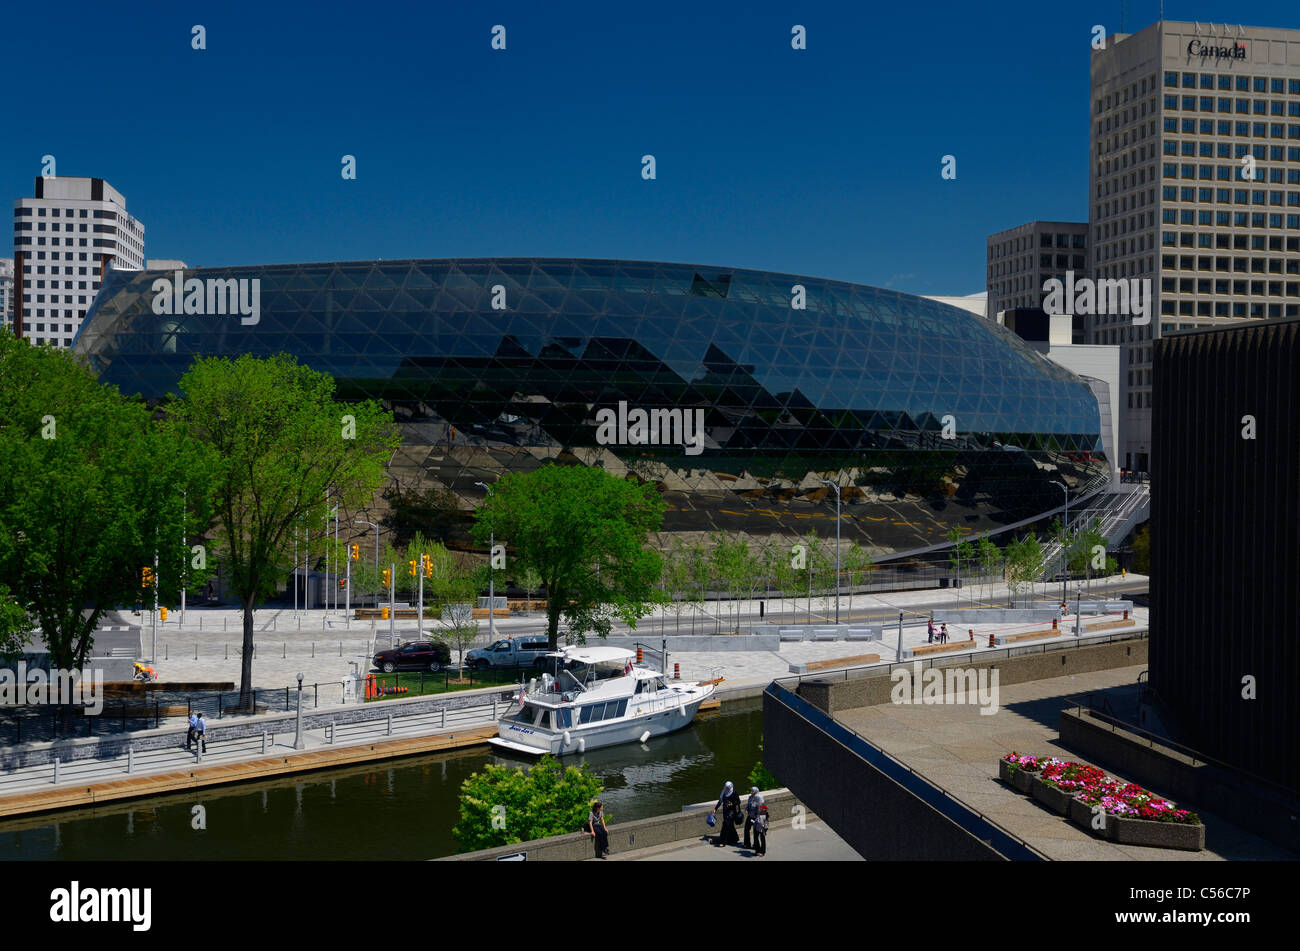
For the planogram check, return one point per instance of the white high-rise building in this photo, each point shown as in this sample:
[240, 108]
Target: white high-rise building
[6, 291]
[64, 240]
[1195, 187]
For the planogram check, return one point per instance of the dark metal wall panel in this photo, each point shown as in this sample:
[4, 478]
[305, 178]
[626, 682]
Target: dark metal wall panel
[1225, 543]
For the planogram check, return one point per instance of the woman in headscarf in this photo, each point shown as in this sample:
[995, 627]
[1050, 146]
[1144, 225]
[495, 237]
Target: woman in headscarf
[729, 803]
[752, 805]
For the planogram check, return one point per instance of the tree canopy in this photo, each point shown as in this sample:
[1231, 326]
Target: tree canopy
[92, 487]
[584, 532]
[281, 443]
[501, 805]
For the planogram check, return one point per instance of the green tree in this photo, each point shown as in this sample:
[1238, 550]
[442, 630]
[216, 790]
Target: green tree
[500, 805]
[584, 531]
[1023, 560]
[857, 563]
[15, 626]
[989, 556]
[676, 580]
[1085, 540]
[281, 442]
[530, 581]
[1142, 550]
[92, 489]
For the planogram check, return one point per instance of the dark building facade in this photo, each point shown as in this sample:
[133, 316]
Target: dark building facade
[495, 365]
[1225, 543]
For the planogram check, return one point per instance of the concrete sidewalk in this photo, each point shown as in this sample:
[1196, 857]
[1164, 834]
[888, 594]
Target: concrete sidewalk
[815, 842]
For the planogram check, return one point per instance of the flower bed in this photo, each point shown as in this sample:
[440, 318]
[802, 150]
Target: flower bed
[1132, 815]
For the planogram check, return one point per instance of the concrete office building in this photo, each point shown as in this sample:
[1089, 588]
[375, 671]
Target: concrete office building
[1020, 259]
[1179, 113]
[65, 239]
[6, 291]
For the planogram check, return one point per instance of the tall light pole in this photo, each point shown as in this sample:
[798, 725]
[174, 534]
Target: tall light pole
[1065, 529]
[298, 744]
[836, 487]
[492, 544]
[185, 565]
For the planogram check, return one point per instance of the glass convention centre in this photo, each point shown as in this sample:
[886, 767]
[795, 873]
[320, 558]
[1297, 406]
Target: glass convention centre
[737, 392]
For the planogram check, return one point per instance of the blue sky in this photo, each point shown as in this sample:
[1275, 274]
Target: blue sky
[823, 162]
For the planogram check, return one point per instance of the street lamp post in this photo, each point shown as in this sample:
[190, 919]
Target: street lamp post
[1065, 529]
[492, 544]
[836, 487]
[298, 743]
[1078, 617]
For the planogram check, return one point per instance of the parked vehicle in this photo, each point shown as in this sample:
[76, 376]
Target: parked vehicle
[527, 650]
[414, 655]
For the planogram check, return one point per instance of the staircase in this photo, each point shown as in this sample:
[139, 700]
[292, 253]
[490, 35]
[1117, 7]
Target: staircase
[1118, 512]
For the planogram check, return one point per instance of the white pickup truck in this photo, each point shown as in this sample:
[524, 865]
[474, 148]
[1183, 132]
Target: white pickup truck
[528, 650]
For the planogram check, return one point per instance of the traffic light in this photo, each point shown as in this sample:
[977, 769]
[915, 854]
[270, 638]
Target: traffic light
[146, 577]
[342, 583]
[412, 564]
[356, 552]
[388, 577]
[428, 566]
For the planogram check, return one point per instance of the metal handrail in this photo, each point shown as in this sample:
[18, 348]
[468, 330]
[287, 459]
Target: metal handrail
[1155, 739]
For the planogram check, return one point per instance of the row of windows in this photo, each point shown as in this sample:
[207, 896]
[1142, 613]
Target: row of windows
[1187, 285]
[1257, 130]
[55, 313]
[1239, 150]
[1189, 239]
[1204, 262]
[1188, 308]
[1132, 91]
[55, 285]
[54, 299]
[1245, 107]
[1224, 219]
[1047, 239]
[1242, 83]
[1227, 173]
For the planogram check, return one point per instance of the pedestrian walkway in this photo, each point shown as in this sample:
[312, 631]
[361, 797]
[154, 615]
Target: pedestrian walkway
[814, 842]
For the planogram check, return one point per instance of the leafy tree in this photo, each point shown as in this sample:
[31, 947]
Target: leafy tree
[281, 442]
[433, 512]
[500, 805]
[584, 531]
[1142, 550]
[857, 562]
[989, 556]
[530, 581]
[1023, 560]
[676, 579]
[15, 626]
[1085, 540]
[92, 488]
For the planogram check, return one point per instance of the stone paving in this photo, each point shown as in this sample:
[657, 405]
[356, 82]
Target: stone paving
[815, 842]
[957, 748]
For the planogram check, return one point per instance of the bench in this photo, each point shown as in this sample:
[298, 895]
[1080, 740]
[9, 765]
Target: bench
[821, 635]
[863, 634]
[1107, 625]
[925, 650]
[815, 665]
[484, 612]
[792, 634]
[377, 614]
[1026, 636]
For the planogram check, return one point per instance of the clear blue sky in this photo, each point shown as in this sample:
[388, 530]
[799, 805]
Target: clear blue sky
[823, 162]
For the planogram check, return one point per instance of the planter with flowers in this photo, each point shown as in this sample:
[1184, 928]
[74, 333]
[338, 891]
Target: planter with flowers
[1128, 814]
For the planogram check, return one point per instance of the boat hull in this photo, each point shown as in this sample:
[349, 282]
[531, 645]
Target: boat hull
[522, 739]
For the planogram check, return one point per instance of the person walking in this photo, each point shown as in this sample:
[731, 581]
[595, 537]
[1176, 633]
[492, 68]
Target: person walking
[760, 831]
[752, 806]
[597, 829]
[201, 733]
[189, 734]
[729, 803]
[943, 633]
[929, 628]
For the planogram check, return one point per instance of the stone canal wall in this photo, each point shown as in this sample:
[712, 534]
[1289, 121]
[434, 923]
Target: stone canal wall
[625, 836]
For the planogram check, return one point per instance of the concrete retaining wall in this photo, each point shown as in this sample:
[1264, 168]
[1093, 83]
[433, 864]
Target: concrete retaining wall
[1192, 785]
[685, 643]
[831, 696]
[626, 836]
[997, 616]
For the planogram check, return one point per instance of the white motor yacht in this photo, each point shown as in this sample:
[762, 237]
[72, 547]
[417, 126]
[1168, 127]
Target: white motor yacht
[597, 696]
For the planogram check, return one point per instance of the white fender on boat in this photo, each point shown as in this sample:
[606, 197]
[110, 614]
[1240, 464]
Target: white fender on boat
[582, 744]
[645, 736]
[568, 740]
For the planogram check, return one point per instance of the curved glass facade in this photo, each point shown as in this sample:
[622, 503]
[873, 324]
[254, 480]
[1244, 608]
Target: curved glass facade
[502, 364]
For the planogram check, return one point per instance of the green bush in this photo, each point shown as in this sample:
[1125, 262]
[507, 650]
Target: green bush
[501, 805]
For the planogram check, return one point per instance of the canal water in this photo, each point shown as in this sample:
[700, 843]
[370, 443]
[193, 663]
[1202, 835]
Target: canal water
[400, 809]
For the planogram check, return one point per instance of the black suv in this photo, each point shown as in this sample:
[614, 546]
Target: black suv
[414, 655]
